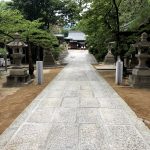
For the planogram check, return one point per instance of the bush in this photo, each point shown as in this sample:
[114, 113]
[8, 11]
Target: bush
[56, 52]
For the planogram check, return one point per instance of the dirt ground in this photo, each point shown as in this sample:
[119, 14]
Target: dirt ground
[137, 99]
[14, 100]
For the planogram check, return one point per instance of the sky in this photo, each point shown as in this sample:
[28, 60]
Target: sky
[5, 0]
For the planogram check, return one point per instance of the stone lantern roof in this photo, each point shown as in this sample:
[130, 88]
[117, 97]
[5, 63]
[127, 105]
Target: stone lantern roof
[17, 43]
[143, 43]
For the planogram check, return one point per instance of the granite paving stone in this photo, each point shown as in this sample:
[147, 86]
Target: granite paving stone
[86, 93]
[89, 102]
[50, 103]
[7, 136]
[63, 137]
[88, 115]
[85, 87]
[69, 93]
[41, 115]
[65, 115]
[125, 138]
[70, 102]
[24, 146]
[92, 137]
[55, 93]
[57, 85]
[78, 110]
[30, 134]
[72, 86]
[114, 117]
[112, 103]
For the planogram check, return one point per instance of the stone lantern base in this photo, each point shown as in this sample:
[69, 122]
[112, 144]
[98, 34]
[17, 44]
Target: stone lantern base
[17, 77]
[141, 73]
[140, 78]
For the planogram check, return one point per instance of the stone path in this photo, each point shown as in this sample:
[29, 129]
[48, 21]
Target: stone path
[77, 111]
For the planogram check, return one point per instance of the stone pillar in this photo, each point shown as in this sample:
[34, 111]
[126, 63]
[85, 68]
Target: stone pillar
[119, 71]
[39, 72]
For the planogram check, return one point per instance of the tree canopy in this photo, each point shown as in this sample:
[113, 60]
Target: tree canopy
[12, 21]
[51, 12]
[103, 21]
[106, 21]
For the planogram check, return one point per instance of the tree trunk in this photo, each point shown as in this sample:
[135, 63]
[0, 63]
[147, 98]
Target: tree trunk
[118, 27]
[31, 66]
[119, 53]
[5, 57]
[5, 63]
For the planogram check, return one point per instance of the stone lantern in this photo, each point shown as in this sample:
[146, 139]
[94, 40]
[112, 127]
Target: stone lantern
[17, 46]
[141, 73]
[109, 58]
[17, 75]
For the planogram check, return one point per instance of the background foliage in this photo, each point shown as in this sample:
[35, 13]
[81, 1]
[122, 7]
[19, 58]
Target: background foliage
[104, 21]
[101, 26]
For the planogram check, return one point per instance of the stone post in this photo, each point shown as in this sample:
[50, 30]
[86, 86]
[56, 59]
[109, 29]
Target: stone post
[39, 72]
[119, 71]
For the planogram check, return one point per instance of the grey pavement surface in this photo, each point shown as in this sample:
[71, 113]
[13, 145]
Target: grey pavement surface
[78, 110]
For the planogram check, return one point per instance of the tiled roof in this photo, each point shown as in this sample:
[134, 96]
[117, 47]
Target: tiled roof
[76, 36]
[59, 35]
